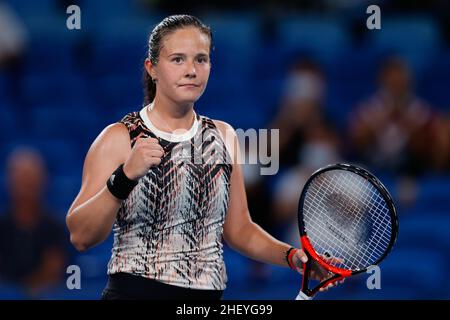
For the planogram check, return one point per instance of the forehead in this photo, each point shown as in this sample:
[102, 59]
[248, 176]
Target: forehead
[188, 39]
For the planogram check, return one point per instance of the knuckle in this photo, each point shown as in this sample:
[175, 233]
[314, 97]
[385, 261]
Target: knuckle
[156, 154]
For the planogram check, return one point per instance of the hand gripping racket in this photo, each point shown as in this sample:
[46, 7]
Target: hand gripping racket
[347, 214]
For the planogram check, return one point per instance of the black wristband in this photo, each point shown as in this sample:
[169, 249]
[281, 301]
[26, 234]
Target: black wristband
[119, 184]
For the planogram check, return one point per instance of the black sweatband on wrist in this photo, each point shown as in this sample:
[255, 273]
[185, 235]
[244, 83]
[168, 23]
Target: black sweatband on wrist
[119, 184]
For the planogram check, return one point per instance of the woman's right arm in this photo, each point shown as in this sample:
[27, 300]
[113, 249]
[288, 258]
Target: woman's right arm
[93, 212]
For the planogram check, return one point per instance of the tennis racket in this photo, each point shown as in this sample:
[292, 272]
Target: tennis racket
[347, 221]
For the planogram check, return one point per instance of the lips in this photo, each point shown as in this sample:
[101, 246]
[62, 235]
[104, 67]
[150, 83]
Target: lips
[189, 85]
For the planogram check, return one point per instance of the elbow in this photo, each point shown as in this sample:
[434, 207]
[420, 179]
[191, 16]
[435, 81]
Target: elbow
[235, 238]
[78, 244]
[75, 239]
[249, 240]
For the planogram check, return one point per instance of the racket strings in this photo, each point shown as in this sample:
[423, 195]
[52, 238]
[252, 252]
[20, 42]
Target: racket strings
[346, 216]
[356, 236]
[355, 212]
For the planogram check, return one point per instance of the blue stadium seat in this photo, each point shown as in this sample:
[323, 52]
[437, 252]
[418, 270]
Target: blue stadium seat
[425, 230]
[271, 62]
[120, 45]
[356, 64]
[26, 11]
[243, 111]
[433, 195]
[90, 290]
[236, 40]
[415, 37]
[115, 92]
[74, 122]
[54, 87]
[421, 270]
[237, 266]
[48, 53]
[323, 37]
[62, 190]
[3, 87]
[109, 9]
[268, 94]
[122, 110]
[12, 292]
[9, 121]
[439, 68]
[435, 81]
[234, 30]
[124, 57]
[51, 45]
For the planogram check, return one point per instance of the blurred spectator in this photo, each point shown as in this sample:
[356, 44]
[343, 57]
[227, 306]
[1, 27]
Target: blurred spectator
[301, 118]
[395, 130]
[32, 245]
[308, 141]
[12, 37]
[13, 41]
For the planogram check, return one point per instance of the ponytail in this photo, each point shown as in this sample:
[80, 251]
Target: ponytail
[149, 88]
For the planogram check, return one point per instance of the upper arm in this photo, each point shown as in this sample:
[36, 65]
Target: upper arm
[238, 214]
[110, 149]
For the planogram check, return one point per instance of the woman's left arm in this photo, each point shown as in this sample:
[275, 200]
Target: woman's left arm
[245, 236]
[240, 232]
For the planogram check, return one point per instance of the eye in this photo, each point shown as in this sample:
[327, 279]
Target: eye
[202, 60]
[177, 60]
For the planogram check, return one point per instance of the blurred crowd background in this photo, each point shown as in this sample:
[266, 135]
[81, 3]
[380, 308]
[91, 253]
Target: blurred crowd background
[337, 91]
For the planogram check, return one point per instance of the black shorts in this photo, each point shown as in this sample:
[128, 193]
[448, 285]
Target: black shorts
[124, 286]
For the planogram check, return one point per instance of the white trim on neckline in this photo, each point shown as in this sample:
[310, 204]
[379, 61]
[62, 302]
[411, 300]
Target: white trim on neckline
[172, 137]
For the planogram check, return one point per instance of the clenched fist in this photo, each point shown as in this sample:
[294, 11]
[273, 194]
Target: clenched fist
[146, 153]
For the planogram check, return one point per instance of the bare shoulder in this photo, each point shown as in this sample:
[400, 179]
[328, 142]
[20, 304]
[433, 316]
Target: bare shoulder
[230, 138]
[224, 128]
[114, 131]
[112, 144]
[110, 149]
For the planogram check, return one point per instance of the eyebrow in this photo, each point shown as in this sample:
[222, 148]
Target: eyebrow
[184, 55]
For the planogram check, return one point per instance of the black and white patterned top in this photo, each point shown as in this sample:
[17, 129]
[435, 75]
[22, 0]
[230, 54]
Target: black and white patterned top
[170, 227]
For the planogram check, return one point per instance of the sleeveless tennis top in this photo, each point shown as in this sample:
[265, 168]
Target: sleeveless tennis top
[170, 227]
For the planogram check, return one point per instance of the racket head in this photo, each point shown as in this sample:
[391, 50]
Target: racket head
[345, 212]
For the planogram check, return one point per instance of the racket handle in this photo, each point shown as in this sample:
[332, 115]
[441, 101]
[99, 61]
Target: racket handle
[302, 296]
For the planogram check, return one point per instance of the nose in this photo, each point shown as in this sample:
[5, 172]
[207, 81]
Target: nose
[191, 72]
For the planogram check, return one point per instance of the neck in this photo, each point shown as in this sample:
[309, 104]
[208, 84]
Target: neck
[171, 116]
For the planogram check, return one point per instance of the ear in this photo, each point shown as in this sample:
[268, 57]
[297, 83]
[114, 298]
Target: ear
[150, 67]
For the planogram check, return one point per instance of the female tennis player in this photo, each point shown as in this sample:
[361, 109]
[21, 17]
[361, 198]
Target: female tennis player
[169, 207]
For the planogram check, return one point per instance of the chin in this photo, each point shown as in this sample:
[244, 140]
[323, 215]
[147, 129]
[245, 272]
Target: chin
[189, 99]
